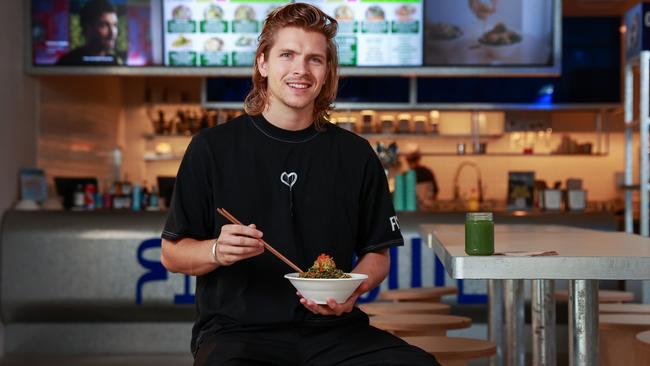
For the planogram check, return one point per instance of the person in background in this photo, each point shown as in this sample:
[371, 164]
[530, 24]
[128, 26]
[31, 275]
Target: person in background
[426, 189]
[99, 25]
[305, 185]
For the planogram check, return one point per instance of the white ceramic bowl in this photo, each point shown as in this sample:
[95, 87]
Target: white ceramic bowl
[320, 289]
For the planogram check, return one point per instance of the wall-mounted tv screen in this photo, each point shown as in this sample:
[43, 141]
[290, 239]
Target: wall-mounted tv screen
[93, 32]
[224, 33]
[489, 32]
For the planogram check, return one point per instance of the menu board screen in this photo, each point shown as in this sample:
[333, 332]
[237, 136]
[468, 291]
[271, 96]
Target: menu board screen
[210, 33]
[489, 32]
[224, 33]
[91, 32]
[377, 33]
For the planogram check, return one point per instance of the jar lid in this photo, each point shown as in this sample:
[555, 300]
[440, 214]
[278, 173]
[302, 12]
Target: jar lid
[479, 216]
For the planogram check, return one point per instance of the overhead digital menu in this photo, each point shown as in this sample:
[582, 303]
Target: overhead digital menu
[211, 33]
[377, 33]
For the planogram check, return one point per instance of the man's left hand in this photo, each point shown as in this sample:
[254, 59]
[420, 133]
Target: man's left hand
[332, 307]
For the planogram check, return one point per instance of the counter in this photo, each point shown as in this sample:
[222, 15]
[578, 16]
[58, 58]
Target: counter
[93, 281]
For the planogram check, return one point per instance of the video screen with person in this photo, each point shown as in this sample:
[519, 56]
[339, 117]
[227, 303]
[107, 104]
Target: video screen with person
[489, 32]
[92, 32]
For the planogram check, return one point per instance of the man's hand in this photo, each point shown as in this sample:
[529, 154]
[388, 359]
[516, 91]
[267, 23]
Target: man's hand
[236, 243]
[332, 307]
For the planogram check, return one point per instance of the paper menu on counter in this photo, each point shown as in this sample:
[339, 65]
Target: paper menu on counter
[213, 33]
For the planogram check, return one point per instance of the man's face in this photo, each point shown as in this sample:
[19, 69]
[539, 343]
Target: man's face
[103, 34]
[295, 68]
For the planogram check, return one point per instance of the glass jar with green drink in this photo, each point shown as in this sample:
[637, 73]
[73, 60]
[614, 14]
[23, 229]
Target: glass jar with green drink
[479, 233]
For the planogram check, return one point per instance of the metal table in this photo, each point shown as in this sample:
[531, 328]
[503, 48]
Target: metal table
[584, 257]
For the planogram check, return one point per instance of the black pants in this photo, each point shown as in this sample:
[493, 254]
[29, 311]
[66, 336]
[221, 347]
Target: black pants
[354, 343]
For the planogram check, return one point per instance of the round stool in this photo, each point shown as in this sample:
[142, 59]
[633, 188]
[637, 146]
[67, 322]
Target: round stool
[384, 308]
[617, 337]
[452, 351]
[642, 348]
[604, 296]
[624, 308]
[404, 325]
[432, 294]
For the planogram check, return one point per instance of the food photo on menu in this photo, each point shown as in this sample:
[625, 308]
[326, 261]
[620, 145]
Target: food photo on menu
[489, 32]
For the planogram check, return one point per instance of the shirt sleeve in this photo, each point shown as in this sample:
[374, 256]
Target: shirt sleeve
[378, 225]
[191, 211]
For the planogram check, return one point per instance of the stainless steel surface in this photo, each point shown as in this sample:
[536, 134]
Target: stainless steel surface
[543, 323]
[583, 322]
[629, 135]
[644, 124]
[582, 253]
[495, 320]
[514, 322]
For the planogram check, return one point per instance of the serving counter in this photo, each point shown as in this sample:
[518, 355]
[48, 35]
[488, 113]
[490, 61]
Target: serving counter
[92, 282]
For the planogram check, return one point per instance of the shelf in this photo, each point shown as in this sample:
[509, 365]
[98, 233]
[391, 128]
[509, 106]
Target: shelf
[424, 136]
[152, 136]
[163, 158]
[510, 154]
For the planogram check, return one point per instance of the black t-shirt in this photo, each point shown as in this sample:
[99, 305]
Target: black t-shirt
[308, 191]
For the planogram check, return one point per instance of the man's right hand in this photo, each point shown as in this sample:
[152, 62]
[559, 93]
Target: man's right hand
[236, 243]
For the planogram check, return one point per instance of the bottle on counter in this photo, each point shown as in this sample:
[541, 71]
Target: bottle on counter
[410, 198]
[154, 204]
[99, 199]
[127, 190]
[146, 196]
[107, 196]
[116, 195]
[136, 198]
[89, 197]
[398, 193]
[78, 198]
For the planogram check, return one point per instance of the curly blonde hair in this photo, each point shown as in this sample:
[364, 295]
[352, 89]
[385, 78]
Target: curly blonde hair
[309, 18]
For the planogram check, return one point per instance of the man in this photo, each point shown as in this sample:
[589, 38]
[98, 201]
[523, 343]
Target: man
[308, 188]
[98, 20]
[426, 188]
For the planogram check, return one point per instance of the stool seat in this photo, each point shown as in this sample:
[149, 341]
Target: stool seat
[419, 324]
[642, 348]
[418, 294]
[619, 321]
[624, 308]
[453, 348]
[384, 308]
[617, 337]
[604, 296]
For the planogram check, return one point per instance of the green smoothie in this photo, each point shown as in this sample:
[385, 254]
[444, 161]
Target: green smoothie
[479, 233]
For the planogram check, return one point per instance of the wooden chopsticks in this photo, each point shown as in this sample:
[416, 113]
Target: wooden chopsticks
[268, 247]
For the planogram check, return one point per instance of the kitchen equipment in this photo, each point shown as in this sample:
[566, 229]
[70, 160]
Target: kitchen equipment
[420, 124]
[367, 121]
[460, 148]
[553, 199]
[387, 123]
[404, 123]
[576, 199]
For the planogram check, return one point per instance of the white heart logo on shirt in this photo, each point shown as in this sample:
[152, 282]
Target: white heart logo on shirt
[289, 178]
